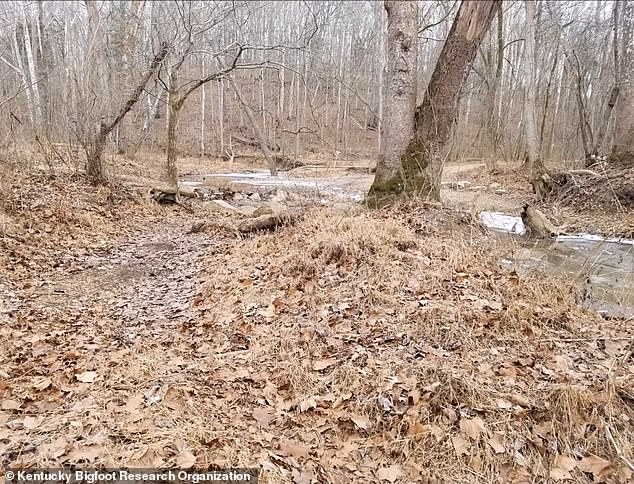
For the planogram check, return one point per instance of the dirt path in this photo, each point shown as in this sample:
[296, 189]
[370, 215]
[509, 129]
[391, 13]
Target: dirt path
[143, 283]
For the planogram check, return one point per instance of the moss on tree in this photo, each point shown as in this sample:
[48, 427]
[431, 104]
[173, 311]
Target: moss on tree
[413, 180]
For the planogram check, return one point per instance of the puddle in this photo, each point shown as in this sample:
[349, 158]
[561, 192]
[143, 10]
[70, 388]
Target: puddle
[344, 186]
[603, 267]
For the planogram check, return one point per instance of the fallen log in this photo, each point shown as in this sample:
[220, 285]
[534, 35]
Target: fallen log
[171, 194]
[268, 222]
[537, 225]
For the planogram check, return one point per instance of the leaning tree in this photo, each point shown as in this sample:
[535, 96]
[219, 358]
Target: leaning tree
[414, 168]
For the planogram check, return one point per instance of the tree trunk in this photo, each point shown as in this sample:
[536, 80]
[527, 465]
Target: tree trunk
[535, 164]
[94, 150]
[423, 158]
[623, 150]
[435, 116]
[94, 159]
[493, 88]
[172, 133]
[613, 94]
[398, 116]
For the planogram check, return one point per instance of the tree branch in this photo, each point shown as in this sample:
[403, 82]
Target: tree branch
[216, 75]
[134, 97]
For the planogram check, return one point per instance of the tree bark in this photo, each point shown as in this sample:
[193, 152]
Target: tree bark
[493, 88]
[423, 158]
[174, 110]
[94, 151]
[535, 164]
[398, 117]
[435, 116]
[623, 150]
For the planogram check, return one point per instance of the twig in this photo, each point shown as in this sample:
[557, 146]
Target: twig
[572, 340]
[619, 452]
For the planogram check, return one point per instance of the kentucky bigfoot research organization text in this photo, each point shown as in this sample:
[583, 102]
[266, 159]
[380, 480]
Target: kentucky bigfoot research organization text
[126, 475]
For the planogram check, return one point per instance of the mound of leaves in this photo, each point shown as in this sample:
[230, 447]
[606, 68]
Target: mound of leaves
[372, 351]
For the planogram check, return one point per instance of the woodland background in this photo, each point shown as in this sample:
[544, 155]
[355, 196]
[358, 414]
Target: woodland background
[310, 76]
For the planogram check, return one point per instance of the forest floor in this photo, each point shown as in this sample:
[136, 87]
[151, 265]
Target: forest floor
[354, 346]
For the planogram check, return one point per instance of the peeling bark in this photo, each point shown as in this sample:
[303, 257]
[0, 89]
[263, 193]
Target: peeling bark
[422, 160]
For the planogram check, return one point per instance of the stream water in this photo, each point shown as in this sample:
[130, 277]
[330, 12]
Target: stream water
[347, 187]
[603, 267]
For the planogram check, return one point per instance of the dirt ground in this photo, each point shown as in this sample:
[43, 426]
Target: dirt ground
[354, 346]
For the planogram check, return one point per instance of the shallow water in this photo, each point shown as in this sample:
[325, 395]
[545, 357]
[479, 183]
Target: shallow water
[603, 267]
[342, 186]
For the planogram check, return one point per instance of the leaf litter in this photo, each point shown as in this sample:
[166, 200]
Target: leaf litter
[380, 346]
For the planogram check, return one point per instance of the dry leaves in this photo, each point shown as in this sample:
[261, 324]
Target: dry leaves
[87, 376]
[390, 474]
[361, 421]
[561, 468]
[598, 467]
[473, 427]
[185, 460]
[344, 349]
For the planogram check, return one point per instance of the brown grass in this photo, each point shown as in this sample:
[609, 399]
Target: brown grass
[328, 351]
[432, 326]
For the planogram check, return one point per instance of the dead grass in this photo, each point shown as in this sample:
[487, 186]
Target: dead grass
[418, 351]
[369, 347]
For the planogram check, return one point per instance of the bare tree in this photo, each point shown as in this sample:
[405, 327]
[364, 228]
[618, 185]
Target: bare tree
[535, 165]
[423, 159]
[623, 150]
[66, 66]
[95, 146]
[177, 95]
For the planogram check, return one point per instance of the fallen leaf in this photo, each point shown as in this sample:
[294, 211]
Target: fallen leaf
[263, 416]
[476, 463]
[42, 384]
[134, 402]
[472, 427]
[292, 449]
[460, 445]
[304, 477]
[361, 421]
[88, 453]
[30, 422]
[496, 443]
[561, 468]
[186, 460]
[87, 376]
[599, 467]
[503, 404]
[11, 404]
[390, 474]
[323, 364]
